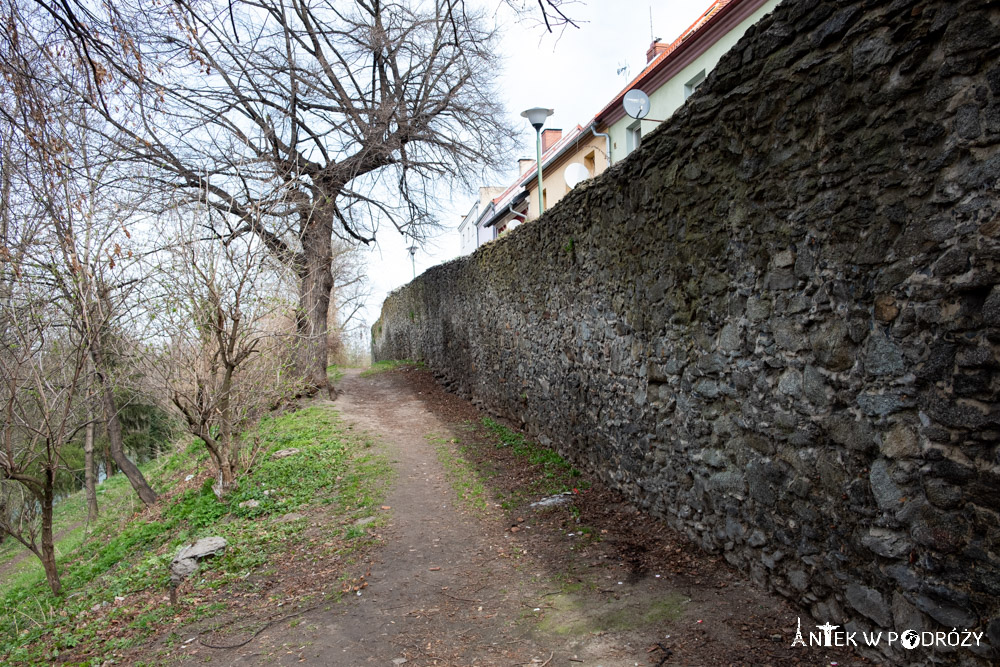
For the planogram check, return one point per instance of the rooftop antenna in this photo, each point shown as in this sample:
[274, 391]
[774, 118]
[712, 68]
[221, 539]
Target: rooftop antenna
[652, 38]
[622, 69]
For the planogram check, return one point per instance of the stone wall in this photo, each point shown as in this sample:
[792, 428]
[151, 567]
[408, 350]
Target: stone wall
[777, 324]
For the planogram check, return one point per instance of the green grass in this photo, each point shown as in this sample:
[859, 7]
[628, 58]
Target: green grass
[115, 497]
[388, 365]
[462, 475]
[129, 550]
[557, 475]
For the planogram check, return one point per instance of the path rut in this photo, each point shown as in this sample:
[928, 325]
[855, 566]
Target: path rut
[439, 589]
[451, 587]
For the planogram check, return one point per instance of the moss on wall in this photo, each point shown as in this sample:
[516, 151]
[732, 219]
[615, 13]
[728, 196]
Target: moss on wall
[776, 324]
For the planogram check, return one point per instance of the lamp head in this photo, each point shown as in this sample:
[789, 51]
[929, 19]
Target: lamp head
[537, 116]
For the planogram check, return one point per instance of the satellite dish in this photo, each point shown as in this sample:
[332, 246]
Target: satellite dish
[636, 103]
[575, 173]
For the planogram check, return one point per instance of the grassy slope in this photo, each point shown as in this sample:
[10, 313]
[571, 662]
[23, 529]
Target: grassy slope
[389, 365]
[116, 579]
[18, 567]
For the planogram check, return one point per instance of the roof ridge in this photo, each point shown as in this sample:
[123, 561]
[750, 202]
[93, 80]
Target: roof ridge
[691, 31]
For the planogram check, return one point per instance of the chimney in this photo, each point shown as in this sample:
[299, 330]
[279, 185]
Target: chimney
[655, 49]
[488, 193]
[523, 165]
[550, 138]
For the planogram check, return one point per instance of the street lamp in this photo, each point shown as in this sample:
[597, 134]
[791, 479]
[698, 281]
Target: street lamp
[413, 258]
[537, 118]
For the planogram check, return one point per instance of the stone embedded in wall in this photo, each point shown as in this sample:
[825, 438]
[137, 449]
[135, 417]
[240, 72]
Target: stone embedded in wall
[869, 602]
[900, 442]
[776, 324]
[887, 543]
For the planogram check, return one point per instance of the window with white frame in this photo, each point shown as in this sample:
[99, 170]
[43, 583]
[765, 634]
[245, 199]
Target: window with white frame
[633, 136]
[693, 84]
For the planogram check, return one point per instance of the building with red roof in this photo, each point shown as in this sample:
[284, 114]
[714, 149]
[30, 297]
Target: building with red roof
[673, 72]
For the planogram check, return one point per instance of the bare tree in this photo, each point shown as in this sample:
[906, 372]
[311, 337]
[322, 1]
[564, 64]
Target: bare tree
[89, 468]
[84, 273]
[62, 186]
[350, 293]
[552, 14]
[305, 121]
[40, 363]
[221, 359]
[302, 121]
[41, 373]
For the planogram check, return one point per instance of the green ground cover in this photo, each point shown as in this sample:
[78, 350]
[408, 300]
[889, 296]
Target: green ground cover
[116, 577]
[388, 365]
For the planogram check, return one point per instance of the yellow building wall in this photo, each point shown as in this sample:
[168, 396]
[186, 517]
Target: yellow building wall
[590, 152]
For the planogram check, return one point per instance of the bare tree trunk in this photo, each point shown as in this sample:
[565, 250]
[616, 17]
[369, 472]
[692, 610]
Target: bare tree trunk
[225, 443]
[48, 554]
[109, 463]
[89, 473]
[315, 284]
[225, 479]
[114, 426]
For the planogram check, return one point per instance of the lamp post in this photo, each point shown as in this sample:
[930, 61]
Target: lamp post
[413, 258]
[537, 118]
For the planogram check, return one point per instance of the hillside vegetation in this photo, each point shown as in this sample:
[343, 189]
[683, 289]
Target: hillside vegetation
[116, 578]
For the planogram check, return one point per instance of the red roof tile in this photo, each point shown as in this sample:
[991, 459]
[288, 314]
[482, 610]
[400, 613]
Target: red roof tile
[667, 54]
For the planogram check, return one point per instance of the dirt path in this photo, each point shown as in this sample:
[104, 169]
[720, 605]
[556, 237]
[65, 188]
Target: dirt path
[455, 587]
[439, 589]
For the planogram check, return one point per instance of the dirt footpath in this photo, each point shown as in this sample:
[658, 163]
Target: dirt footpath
[583, 584]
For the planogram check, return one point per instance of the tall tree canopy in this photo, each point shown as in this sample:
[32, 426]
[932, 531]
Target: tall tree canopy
[304, 120]
[53, 178]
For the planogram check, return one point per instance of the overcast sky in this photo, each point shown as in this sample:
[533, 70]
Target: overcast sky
[574, 72]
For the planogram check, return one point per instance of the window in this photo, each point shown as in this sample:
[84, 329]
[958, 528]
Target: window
[691, 85]
[590, 163]
[633, 136]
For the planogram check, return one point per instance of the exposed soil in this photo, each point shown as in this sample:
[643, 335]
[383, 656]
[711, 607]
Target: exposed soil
[589, 582]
